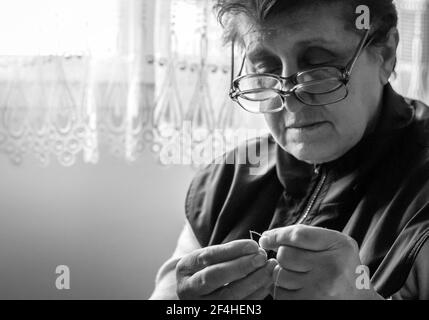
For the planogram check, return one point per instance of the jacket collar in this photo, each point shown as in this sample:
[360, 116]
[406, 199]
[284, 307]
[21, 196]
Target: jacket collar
[395, 114]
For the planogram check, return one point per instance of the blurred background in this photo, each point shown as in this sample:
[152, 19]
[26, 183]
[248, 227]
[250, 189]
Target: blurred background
[96, 102]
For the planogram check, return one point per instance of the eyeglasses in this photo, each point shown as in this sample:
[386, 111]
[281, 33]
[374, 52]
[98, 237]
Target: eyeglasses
[266, 92]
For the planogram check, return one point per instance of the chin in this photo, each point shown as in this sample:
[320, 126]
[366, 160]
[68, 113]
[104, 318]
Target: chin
[315, 154]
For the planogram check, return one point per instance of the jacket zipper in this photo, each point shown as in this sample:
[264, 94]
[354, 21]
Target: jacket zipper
[315, 194]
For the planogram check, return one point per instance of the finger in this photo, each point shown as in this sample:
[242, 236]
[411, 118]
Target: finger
[254, 284]
[216, 276]
[285, 294]
[289, 280]
[268, 290]
[298, 260]
[260, 294]
[301, 236]
[207, 256]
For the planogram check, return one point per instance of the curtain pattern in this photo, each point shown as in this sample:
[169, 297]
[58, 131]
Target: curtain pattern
[157, 80]
[412, 70]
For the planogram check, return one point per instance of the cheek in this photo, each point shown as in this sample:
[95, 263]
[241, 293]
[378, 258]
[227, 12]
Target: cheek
[275, 122]
[349, 120]
[353, 115]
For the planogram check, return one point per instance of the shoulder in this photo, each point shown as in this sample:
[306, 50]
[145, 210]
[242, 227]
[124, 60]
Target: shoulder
[410, 150]
[420, 125]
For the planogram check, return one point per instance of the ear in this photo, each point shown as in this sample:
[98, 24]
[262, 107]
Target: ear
[387, 51]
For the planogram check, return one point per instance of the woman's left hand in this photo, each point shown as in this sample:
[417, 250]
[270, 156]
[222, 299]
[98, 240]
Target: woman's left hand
[316, 263]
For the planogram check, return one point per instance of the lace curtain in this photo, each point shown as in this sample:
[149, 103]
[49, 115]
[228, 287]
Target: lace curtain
[79, 79]
[412, 71]
[115, 76]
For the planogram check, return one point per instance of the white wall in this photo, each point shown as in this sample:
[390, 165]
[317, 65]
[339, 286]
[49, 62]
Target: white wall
[113, 224]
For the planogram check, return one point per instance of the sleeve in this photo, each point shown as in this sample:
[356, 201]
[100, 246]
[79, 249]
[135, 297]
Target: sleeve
[417, 285]
[165, 282]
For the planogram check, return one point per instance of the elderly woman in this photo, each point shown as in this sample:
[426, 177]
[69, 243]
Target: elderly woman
[343, 204]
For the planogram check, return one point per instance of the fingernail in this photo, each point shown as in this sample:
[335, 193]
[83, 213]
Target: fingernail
[259, 260]
[263, 252]
[271, 264]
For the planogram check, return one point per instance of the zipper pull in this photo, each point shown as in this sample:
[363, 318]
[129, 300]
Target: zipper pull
[316, 169]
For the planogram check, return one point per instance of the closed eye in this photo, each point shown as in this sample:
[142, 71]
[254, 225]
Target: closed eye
[317, 57]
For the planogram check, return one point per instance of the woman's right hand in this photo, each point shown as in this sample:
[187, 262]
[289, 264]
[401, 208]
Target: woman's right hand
[233, 271]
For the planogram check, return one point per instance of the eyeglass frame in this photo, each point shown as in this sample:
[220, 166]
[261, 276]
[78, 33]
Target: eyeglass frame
[345, 72]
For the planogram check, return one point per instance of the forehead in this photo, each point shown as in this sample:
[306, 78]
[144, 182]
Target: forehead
[315, 25]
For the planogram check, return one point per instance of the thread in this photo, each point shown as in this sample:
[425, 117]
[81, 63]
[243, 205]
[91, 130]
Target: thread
[253, 233]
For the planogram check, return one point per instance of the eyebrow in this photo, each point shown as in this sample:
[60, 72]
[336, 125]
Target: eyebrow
[329, 45]
[317, 41]
[258, 54]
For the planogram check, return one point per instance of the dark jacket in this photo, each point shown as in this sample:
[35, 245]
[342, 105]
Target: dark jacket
[377, 193]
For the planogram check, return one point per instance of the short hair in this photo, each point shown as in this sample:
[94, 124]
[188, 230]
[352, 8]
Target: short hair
[384, 15]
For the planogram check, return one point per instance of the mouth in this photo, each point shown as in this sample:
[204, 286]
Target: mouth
[311, 125]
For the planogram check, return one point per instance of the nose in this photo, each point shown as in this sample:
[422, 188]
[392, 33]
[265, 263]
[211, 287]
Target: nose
[291, 102]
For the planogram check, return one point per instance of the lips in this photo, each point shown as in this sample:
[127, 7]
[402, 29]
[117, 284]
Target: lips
[307, 125]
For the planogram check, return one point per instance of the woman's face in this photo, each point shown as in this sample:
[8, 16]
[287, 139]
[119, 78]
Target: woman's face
[306, 39]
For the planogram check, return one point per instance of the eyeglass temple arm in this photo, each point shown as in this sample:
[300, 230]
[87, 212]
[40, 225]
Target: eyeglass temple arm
[363, 43]
[233, 62]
